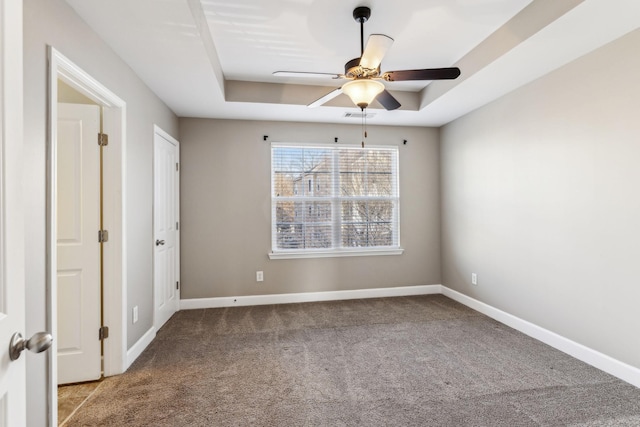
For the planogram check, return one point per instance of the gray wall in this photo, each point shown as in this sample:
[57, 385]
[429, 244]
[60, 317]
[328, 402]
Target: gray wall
[53, 22]
[226, 208]
[541, 200]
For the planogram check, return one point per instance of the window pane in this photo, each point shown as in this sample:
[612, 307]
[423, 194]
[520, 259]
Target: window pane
[380, 234]
[379, 161]
[303, 225]
[300, 212]
[379, 184]
[286, 171]
[359, 235]
[354, 235]
[317, 236]
[303, 236]
[317, 212]
[367, 210]
[321, 183]
[289, 236]
[352, 168]
[380, 211]
[380, 180]
[352, 160]
[367, 223]
[283, 184]
[315, 165]
[285, 212]
[354, 211]
[352, 184]
[366, 173]
[301, 172]
[286, 160]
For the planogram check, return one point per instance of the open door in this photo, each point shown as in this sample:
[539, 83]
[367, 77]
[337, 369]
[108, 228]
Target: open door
[78, 246]
[12, 287]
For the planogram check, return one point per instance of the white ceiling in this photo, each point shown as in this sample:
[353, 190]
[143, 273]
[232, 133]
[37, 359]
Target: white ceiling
[215, 58]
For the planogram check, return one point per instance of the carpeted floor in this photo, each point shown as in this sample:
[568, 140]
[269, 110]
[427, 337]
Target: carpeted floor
[72, 396]
[411, 361]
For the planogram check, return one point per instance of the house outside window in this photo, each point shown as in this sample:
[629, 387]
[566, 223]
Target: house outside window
[334, 201]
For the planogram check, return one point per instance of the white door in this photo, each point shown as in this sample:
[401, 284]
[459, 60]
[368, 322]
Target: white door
[165, 224]
[78, 248]
[12, 288]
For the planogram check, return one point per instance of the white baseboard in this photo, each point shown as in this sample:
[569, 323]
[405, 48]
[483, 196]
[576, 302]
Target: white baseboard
[136, 350]
[198, 303]
[592, 357]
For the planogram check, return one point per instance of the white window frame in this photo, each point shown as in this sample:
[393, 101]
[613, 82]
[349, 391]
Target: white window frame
[337, 251]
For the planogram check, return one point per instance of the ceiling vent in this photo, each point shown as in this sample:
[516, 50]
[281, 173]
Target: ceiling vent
[359, 115]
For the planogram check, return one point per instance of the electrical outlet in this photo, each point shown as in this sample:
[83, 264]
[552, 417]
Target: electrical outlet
[135, 314]
[259, 276]
[474, 279]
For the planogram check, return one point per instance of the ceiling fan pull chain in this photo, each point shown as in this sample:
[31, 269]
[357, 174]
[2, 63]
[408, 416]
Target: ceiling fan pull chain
[362, 127]
[365, 123]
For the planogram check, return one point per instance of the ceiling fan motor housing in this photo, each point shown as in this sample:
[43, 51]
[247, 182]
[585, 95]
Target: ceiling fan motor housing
[354, 70]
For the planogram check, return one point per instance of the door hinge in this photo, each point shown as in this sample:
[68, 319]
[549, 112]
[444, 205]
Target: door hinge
[177, 225]
[177, 166]
[103, 139]
[177, 285]
[103, 236]
[103, 333]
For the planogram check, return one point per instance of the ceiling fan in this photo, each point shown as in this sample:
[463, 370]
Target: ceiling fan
[364, 75]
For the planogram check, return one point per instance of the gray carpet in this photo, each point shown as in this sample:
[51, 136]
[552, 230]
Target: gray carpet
[411, 361]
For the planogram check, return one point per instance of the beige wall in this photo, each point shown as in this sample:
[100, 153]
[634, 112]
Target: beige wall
[226, 208]
[53, 22]
[541, 200]
[69, 95]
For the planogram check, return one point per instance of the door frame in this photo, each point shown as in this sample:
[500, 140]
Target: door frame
[114, 193]
[159, 132]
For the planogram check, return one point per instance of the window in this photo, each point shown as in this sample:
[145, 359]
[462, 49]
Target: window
[334, 201]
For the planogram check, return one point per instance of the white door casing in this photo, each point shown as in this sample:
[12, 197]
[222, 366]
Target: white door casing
[12, 259]
[78, 248]
[115, 358]
[165, 224]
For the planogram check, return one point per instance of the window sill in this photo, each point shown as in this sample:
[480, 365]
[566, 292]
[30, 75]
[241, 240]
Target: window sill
[334, 253]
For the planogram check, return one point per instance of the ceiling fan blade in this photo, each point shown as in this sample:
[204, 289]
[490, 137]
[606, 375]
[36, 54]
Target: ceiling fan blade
[328, 97]
[387, 100]
[426, 74]
[305, 74]
[377, 46]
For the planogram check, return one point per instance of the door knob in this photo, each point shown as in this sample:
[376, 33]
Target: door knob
[38, 343]
[159, 242]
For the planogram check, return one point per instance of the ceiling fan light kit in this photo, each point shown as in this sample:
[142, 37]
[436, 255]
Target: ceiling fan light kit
[363, 91]
[364, 74]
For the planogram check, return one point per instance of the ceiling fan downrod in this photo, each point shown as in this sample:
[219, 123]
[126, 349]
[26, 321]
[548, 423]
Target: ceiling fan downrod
[361, 14]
